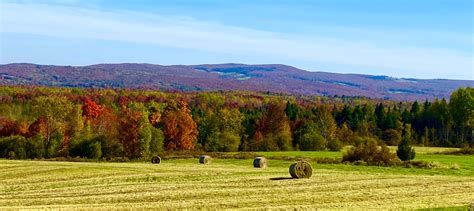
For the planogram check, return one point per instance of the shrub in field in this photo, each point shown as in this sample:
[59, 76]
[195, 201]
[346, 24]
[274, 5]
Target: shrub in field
[334, 145]
[19, 147]
[87, 148]
[111, 149]
[462, 151]
[34, 147]
[391, 137]
[345, 134]
[405, 151]
[95, 150]
[228, 142]
[311, 141]
[53, 146]
[357, 140]
[13, 147]
[11, 155]
[372, 152]
[421, 164]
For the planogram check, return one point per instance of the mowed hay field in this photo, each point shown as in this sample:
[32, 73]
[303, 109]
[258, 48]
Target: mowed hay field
[230, 183]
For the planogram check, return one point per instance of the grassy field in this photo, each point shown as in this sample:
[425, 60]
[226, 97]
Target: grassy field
[465, 163]
[230, 183]
[419, 150]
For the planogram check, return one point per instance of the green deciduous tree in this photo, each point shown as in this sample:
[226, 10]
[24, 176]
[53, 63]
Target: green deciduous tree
[311, 141]
[55, 111]
[325, 124]
[461, 107]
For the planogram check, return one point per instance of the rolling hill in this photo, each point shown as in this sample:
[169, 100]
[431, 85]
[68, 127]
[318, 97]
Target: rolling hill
[270, 77]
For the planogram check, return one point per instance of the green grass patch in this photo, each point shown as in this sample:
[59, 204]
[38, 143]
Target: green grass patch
[309, 154]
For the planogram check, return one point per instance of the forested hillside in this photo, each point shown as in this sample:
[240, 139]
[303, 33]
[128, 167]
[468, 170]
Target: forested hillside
[228, 77]
[105, 123]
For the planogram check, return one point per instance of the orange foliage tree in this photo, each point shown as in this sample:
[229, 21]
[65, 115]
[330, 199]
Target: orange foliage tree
[179, 128]
[37, 127]
[130, 126]
[91, 110]
[154, 118]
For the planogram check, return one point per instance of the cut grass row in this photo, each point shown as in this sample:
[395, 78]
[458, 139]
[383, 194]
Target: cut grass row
[226, 183]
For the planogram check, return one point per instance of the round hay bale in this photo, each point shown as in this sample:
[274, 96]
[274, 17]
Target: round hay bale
[156, 160]
[260, 162]
[205, 159]
[301, 169]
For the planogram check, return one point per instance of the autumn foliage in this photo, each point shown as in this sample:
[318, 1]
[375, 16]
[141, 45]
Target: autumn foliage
[178, 127]
[9, 127]
[129, 132]
[90, 109]
[273, 130]
[46, 122]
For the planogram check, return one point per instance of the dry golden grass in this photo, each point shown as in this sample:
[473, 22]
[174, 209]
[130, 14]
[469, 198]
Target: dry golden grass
[184, 184]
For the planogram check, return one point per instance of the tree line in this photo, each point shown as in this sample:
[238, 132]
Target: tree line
[37, 122]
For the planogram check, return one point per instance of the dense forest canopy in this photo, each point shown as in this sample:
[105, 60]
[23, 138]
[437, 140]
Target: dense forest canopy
[38, 122]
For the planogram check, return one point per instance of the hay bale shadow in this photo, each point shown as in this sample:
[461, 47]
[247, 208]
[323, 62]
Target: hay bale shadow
[281, 178]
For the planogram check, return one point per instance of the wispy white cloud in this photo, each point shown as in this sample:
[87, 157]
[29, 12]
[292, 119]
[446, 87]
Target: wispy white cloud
[188, 33]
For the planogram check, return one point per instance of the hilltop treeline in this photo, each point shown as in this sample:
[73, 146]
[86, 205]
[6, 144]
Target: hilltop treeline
[38, 122]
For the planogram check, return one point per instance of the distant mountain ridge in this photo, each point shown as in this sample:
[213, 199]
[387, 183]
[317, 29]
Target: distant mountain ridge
[268, 77]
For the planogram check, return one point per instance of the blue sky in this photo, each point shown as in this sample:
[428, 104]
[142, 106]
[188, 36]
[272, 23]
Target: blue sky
[400, 38]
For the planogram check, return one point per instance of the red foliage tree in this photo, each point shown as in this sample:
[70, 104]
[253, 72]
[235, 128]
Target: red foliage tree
[273, 129]
[7, 127]
[107, 123]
